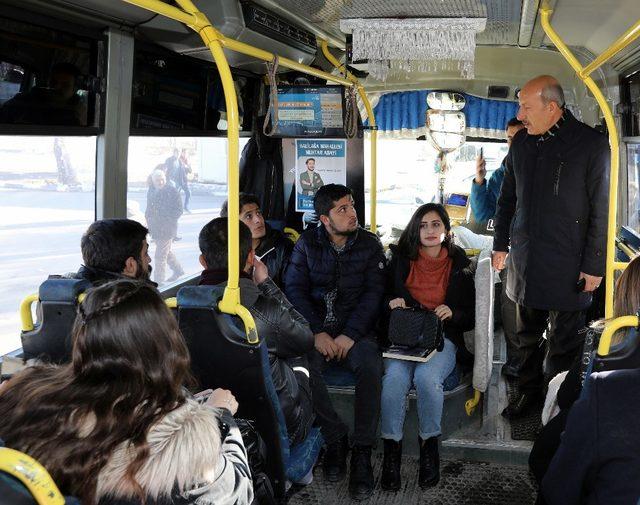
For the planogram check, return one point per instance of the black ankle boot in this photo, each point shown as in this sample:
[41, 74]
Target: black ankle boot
[429, 463]
[334, 463]
[390, 478]
[361, 478]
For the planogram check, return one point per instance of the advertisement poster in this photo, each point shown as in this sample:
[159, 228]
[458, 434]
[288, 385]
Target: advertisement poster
[318, 162]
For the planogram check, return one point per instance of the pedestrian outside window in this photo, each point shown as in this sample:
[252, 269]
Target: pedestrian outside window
[175, 186]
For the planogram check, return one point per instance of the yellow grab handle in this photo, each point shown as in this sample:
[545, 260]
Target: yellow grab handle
[32, 474]
[26, 318]
[470, 405]
[610, 328]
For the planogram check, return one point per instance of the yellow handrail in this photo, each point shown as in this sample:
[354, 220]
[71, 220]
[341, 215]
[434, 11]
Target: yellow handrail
[374, 131]
[610, 328]
[26, 318]
[612, 265]
[626, 249]
[627, 38]
[32, 474]
[470, 405]
[171, 303]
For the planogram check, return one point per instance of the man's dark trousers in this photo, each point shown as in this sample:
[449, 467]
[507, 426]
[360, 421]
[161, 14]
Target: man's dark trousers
[564, 342]
[365, 361]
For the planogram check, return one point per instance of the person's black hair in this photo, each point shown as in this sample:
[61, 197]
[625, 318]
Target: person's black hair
[409, 243]
[327, 196]
[108, 243]
[214, 240]
[308, 160]
[514, 121]
[243, 199]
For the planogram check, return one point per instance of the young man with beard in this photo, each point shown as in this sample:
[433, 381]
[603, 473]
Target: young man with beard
[271, 246]
[115, 249]
[335, 279]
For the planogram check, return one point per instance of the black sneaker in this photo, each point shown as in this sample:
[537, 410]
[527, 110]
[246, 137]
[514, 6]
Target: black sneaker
[334, 463]
[520, 405]
[361, 478]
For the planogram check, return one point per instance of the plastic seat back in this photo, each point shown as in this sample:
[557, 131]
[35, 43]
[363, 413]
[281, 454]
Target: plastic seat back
[50, 340]
[221, 357]
[623, 356]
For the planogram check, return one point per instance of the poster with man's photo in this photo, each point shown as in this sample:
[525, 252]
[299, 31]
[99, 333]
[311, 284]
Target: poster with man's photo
[318, 162]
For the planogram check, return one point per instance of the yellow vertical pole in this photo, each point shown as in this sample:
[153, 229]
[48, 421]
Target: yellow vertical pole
[545, 13]
[374, 131]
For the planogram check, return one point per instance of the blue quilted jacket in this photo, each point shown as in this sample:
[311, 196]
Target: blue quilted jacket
[358, 273]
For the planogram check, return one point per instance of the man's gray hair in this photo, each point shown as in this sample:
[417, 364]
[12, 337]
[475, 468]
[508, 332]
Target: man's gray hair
[553, 93]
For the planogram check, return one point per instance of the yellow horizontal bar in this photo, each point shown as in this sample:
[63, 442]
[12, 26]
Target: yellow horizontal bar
[32, 474]
[620, 265]
[165, 10]
[626, 249]
[260, 54]
[172, 302]
[625, 39]
[26, 317]
[611, 327]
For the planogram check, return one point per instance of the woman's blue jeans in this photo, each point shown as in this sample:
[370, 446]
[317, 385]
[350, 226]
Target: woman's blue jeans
[427, 378]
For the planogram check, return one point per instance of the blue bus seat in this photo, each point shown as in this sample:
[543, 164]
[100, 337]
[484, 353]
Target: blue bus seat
[221, 357]
[340, 377]
[623, 356]
[50, 340]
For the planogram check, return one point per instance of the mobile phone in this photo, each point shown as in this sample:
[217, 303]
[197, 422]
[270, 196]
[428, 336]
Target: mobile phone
[581, 284]
[482, 152]
[203, 396]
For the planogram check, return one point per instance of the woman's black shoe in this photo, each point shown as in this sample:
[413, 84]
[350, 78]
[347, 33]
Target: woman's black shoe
[334, 463]
[429, 474]
[390, 478]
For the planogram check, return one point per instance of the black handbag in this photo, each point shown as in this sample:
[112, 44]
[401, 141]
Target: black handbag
[415, 327]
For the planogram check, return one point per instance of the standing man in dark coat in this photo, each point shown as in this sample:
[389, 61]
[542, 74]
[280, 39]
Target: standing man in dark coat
[552, 220]
[336, 280]
[164, 208]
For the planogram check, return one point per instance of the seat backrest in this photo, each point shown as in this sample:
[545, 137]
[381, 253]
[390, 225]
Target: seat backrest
[50, 340]
[624, 356]
[221, 357]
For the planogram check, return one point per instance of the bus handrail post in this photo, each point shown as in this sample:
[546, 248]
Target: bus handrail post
[611, 327]
[611, 264]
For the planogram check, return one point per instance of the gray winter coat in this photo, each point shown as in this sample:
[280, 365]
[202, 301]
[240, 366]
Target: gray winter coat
[552, 211]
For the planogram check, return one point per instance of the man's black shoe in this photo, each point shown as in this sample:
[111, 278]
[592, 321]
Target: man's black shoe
[334, 463]
[390, 477]
[361, 478]
[429, 474]
[520, 404]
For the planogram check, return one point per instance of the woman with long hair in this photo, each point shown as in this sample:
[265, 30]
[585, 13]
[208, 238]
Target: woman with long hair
[566, 388]
[428, 271]
[117, 424]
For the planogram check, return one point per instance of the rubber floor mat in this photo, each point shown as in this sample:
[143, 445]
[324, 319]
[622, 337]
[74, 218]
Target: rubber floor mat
[461, 483]
[527, 426]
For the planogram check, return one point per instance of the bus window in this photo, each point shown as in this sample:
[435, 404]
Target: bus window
[633, 160]
[47, 188]
[407, 177]
[175, 186]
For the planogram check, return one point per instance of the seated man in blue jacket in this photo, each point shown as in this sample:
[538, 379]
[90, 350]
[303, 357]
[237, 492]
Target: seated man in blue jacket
[335, 279]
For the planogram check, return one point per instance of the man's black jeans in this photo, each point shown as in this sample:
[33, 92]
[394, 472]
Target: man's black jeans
[365, 361]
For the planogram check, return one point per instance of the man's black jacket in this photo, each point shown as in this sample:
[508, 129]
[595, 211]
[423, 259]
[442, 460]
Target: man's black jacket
[552, 211]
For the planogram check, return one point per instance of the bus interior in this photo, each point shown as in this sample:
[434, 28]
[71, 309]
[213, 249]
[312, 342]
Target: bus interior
[95, 95]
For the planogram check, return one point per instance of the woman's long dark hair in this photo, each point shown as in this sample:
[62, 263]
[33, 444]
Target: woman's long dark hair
[409, 243]
[129, 364]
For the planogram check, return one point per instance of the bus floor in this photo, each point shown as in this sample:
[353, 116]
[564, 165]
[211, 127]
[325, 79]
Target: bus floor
[461, 483]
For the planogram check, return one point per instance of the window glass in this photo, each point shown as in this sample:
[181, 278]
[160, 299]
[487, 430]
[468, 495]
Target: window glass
[633, 161]
[407, 176]
[176, 186]
[47, 201]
